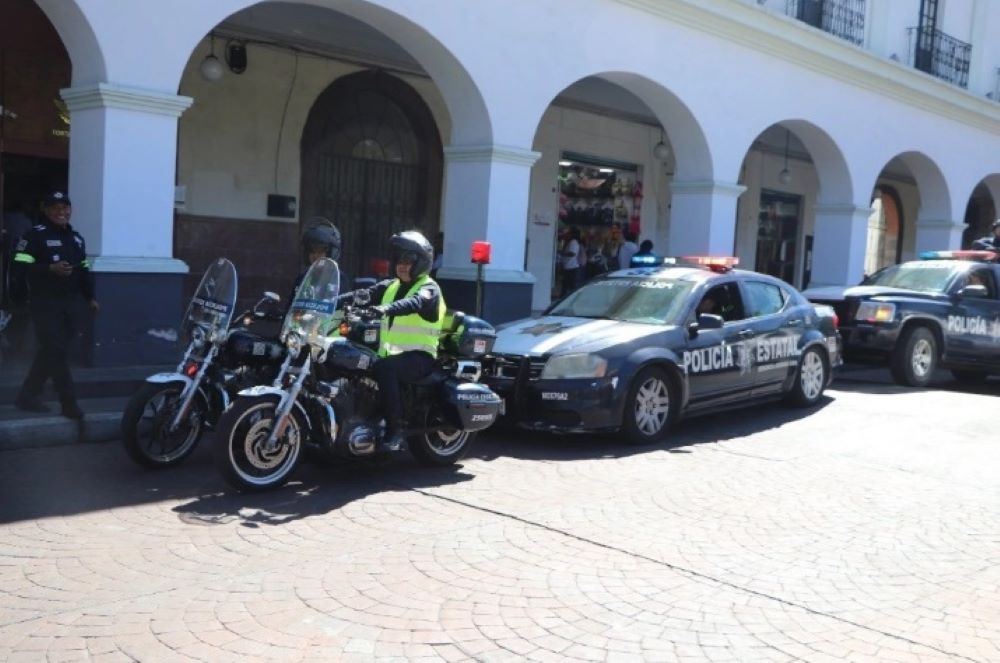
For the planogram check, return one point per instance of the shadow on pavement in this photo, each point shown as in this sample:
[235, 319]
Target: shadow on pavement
[875, 380]
[67, 480]
[703, 429]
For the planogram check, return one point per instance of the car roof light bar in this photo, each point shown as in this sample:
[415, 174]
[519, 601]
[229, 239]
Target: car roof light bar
[715, 263]
[983, 256]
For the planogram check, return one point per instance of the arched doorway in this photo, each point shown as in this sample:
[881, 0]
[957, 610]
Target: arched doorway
[372, 163]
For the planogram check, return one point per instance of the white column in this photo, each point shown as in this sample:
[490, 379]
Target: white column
[839, 244]
[486, 198]
[123, 153]
[703, 218]
[938, 235]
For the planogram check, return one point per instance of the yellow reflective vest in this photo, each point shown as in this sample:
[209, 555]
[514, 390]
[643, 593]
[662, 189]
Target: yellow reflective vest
[410, 332]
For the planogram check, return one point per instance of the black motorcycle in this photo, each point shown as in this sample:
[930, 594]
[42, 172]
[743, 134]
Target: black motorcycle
[166, 416]
[326, 400]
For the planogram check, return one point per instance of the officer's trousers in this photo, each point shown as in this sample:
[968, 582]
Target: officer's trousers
[390, 371]
[56, 323]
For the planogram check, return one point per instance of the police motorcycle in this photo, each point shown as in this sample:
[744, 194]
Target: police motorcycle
[165, 418]
[325, 399]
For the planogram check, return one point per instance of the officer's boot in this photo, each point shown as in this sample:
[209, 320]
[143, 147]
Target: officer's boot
[394, 436]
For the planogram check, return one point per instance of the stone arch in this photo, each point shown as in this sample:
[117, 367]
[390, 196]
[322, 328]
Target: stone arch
[372, 162]
[79, 38]
[935, 195]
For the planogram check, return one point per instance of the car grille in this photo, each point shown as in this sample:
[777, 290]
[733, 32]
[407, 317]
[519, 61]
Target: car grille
[845, 309]
[508, 366]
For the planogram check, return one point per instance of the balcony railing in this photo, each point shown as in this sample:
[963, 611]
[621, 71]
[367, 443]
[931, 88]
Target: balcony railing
[940, 55]
[841, 18]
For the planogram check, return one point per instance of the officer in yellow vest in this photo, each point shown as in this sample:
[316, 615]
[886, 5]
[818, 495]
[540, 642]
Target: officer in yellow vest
[413, 311]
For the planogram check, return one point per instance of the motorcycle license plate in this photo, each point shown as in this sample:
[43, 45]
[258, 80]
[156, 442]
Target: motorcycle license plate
[479, 346]
[371, 335]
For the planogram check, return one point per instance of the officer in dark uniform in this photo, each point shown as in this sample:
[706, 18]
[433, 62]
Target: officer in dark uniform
[412, 311]
[54, 257]
[320, 240]
[990, 242]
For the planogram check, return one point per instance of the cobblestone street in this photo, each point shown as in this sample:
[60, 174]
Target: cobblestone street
[867, 529]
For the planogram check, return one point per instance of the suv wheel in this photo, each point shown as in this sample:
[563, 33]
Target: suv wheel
[915, 357]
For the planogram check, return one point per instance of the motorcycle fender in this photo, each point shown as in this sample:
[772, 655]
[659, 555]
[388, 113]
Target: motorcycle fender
[163, 378]
[262, 390]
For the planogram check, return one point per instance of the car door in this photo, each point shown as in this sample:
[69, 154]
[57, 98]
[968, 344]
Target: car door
[716, 361]
[973, 326]
[777, 328]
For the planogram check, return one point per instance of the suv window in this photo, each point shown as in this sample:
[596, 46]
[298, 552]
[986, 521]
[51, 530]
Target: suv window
[763, 299]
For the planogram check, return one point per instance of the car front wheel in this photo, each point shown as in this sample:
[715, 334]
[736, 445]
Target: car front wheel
[650, 407]
[915, 357]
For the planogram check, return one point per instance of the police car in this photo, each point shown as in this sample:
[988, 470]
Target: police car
[638, 348]
[941, 310]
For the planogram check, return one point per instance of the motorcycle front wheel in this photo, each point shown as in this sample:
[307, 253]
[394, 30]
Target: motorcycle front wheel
[442, 447]
[145, 425]
[240, 452]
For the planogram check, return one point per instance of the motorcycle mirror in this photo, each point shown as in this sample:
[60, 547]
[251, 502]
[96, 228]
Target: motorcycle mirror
[362, 298]
[273, 296]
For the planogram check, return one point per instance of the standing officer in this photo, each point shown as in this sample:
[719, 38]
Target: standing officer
[58, 273]
[990, 242]
[413, 311]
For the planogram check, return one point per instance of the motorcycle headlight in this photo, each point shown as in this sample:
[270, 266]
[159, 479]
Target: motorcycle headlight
[565, 367]
[875, 312]
[198, 334]
[294, 343]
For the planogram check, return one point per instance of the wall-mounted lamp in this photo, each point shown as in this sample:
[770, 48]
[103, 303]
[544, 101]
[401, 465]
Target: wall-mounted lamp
[660, 150]
[785, 176]
[211, 68]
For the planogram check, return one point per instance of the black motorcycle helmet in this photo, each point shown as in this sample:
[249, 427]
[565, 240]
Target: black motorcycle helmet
[414, 247]
[321, 235]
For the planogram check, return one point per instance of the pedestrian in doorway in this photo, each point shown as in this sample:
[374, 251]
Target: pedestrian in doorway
[570, 261]
[54, 257]
[628, 249]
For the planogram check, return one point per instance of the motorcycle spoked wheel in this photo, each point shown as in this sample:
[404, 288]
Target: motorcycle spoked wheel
[146, 420]
[239, 452]
[442, 447]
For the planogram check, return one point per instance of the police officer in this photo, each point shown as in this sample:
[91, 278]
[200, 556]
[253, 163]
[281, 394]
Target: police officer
[58, 274]
[990, 242]
[320, 240]
[412, 310]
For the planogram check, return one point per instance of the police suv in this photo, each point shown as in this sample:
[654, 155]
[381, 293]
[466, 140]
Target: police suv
[941, 310]
[636, 349]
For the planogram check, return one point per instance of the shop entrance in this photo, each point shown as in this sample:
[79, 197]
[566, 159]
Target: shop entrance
[777, 235]
[600, 199]
[372, 164]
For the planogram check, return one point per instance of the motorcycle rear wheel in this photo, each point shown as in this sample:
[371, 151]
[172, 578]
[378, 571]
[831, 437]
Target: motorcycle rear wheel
[146, 419]
[442, 447]
[239, 455]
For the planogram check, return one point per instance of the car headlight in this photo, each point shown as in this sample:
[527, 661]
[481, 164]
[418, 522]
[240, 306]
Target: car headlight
[563, 367]
[875, 312]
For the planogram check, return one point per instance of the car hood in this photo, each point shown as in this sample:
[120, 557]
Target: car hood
[840, 293]
[559, 335]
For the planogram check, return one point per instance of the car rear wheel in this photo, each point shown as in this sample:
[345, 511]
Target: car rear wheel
[915, 357]
[810, 380]
[650, 407]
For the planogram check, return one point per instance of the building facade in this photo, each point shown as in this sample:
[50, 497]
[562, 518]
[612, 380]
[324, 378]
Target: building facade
[818, 140]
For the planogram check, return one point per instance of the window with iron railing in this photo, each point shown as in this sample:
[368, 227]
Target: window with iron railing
[939, 55]
[841, 18]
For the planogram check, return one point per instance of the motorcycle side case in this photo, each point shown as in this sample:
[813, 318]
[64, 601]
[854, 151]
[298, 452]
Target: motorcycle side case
[472, 405]
[348, 356]
[474, 338]
[244, 348]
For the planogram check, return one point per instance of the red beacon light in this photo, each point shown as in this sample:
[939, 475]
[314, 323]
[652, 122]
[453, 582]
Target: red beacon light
[714, 263]
[481, 252]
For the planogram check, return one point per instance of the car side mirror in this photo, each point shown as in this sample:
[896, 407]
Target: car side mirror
[977, 291]
[705, 321]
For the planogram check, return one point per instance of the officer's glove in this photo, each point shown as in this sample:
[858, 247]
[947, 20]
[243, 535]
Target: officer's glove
[373, 312]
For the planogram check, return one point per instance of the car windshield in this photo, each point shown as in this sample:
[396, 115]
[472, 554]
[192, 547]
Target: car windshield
[649, 300]
[923, 276]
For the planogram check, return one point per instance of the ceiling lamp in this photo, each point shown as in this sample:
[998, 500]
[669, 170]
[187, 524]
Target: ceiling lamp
[661, 151]
[211, 67]
[785, 176]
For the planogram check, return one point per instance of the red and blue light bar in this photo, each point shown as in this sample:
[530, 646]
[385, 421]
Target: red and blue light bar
[982, 256]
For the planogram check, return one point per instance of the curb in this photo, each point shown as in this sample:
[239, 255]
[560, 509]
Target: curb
[37, 432]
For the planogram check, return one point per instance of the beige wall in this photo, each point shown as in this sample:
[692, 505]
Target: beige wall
[229, 137]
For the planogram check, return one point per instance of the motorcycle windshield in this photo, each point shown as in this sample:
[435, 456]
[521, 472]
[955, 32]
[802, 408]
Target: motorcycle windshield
[214, 301]
[312, 310]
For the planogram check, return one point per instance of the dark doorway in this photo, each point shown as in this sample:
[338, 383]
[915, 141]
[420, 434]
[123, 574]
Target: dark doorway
[372, 164]
[777, 235]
